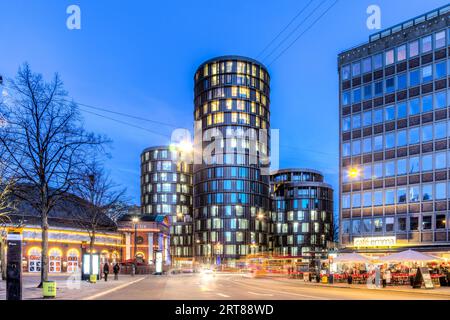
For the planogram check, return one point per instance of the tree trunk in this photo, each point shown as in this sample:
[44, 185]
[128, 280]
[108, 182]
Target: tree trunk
[44, 253]
[3, 257]
[91, 250]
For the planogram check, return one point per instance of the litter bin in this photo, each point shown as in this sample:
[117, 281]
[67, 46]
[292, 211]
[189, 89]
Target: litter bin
[49, 289]
[330, 279]
[325, 279]
[93, 278]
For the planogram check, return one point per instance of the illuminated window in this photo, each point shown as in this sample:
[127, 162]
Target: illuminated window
[234, 91]
[229, 104]
[214, 106]
[205, 70]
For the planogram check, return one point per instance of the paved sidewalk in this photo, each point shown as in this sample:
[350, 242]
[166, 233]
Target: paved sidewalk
[440, 290]
[70, 288]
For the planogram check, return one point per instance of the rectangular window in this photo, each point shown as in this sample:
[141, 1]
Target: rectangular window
[367, 65]
[389, 113]
[356, 147]
[414, 78]
[389, 169]
[440, 160]
[377, 61]
[390, 85]
[345, 98]
[356, 95]
[389, 57]
[414, 166]
[401, 53]
[356, 200]
[401, 224]
[345, 72]
[367, 145]
[367, 172]
[414, 194]
[356, 69]
[401, 138]
[440, 100]
[378, 143]
[427, 192]
[389, 224]
[427, 103]
[401, 81]
[413, 49]
[401, 167]
[427, 162]
[414, 106]
[401, 195]
[389, 196]
[427, 73]
[378, 88]
[378, 116]
[401, 110]
[440, 130]
[441, 193]
[390, 140]
[427, 133]
[427, 44]
[439, 40]
[356, 121]
[367, 118]
[368, 91]
[414, 136]
[440, 70]
[441, 221]
[427, 222]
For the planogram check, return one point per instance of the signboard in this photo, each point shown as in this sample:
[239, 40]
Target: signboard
[87, 265]
[423, 276]
[374, 242]
[158, 262]
[14, 266]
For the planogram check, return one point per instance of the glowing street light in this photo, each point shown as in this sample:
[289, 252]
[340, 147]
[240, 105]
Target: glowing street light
[353, 173]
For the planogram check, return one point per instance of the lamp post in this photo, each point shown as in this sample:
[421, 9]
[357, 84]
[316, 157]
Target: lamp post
[135, 222]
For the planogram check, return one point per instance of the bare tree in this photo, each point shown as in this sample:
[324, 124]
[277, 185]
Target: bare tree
[102, 200]
[46, 143]
[6, 208]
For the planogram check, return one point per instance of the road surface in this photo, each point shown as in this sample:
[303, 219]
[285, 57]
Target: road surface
[238, 287]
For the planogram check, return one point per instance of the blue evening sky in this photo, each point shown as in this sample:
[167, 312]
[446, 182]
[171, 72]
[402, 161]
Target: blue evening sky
[139, 57]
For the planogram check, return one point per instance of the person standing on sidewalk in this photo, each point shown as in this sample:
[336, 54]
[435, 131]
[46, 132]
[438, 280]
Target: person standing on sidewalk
[106, 271]
[116, 270]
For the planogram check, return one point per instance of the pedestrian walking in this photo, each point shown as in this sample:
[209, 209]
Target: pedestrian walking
[133, 270]
[106, 271]
[116, 270]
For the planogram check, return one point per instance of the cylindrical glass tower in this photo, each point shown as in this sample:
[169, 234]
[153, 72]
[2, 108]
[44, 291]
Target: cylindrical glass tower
[302, 213]
[231, 183]
[166, 190]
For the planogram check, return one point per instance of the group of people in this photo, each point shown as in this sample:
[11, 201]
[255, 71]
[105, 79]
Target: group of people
[116, 270]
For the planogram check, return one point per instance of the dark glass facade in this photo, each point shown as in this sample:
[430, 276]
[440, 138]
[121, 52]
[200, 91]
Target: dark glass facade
[166, 191]
[302, 213]
[231, 196]
[394, 136]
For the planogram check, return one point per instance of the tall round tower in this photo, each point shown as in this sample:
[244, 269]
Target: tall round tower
[231, 185]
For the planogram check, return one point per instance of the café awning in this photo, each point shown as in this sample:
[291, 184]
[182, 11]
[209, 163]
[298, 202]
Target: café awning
[408, 256]
[351, 258]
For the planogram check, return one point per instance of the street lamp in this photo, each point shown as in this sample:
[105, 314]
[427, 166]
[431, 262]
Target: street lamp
[353, 173]
[135, 222]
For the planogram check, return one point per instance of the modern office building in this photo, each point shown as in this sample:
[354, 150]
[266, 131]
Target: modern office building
[231, 196]
[302, 214]
[394, 138]
[166, 191]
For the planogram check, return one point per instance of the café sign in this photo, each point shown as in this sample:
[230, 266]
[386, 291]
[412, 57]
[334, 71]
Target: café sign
[367, 242]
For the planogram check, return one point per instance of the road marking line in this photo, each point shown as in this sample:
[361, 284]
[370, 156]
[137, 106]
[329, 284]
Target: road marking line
[282, 292]
[260, 294]
[95, 296]
[223, 295]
